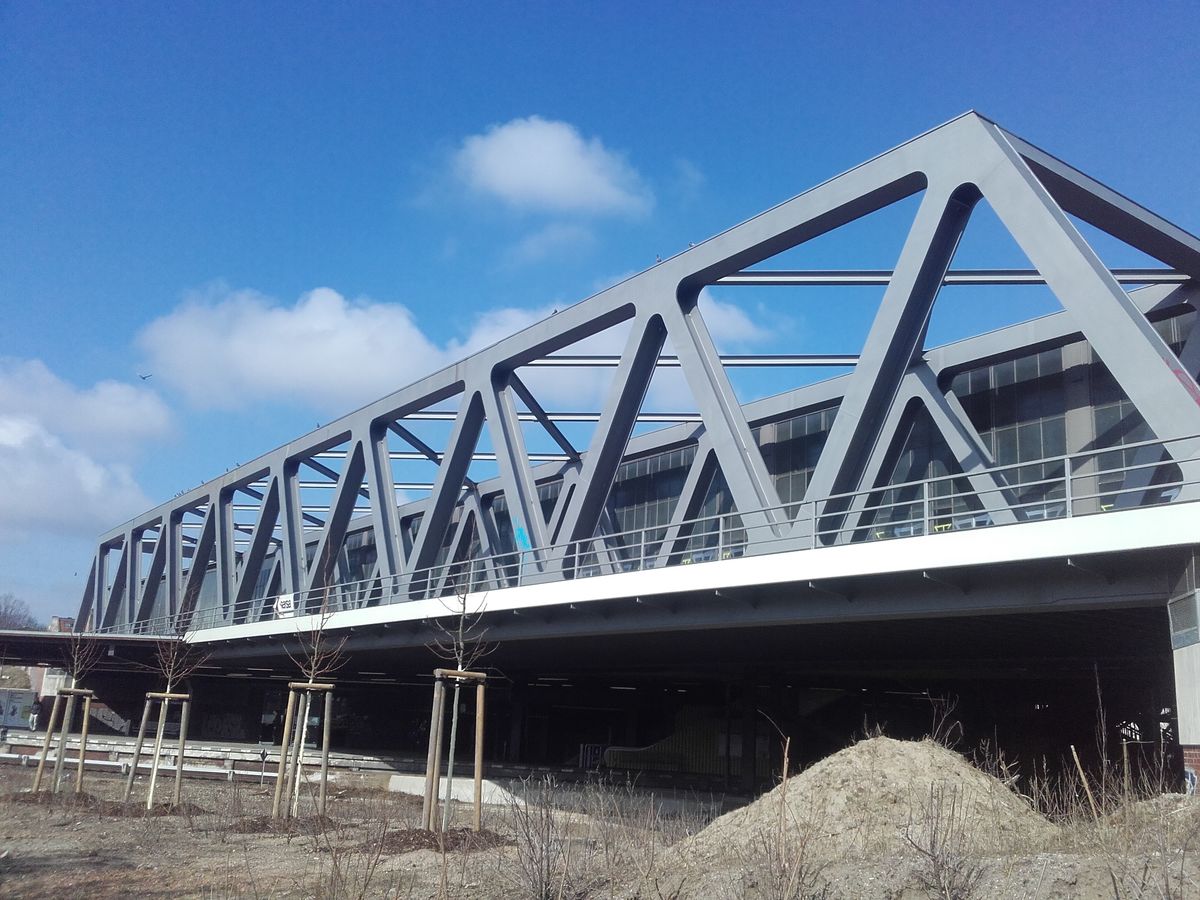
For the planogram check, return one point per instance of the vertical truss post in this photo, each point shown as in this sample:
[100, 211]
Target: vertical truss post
[385, 517]
[225, 554]
[174, 562]
[293, 550]
[133, 553]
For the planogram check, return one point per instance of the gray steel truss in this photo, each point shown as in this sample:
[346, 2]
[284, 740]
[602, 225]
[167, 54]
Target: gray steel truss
[157, 564]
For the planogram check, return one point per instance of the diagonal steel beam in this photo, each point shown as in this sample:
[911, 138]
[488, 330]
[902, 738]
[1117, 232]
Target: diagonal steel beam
[154, 576]
[892, 343]
[1140, 361]
[331, 474]
[1101, 206]
[691, 499]
[965, 445]
[630, 383]
[516, 477]
[254, 555]
[321, 572]
[741, 462]
[89, 606]
[114, 594]
[419, 445]
[447, 487]
[531, 403]
[205, 544]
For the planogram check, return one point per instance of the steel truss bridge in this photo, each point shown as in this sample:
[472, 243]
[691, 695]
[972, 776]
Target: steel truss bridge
[257, 533]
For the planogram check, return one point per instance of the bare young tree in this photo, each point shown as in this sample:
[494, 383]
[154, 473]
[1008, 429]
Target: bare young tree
[80, 656]
[461, 641]
[317, 655]
[16, 616]
[176, 659]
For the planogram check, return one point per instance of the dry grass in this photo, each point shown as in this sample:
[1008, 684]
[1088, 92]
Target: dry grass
[613, 841]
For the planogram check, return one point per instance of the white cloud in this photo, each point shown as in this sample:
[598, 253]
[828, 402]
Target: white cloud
[233, 349]
[228, 349]
[50, 487]
[111, 418]
[546, 165]
[689, 180]
[731, 328]
[556, 239]
[66, 451]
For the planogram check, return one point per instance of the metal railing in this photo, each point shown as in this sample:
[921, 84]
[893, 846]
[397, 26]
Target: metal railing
[1094, 482]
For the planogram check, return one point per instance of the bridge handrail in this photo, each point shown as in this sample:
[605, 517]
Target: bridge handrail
[798, 530]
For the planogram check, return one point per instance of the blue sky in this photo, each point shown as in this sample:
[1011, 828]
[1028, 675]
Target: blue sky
[210, 193]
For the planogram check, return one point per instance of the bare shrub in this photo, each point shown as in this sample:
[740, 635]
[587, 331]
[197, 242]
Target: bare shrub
[632, 839]
[551, 863]
[946, 869]
[780, 862]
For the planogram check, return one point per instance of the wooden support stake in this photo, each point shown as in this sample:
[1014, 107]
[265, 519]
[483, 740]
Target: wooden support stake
[478, 821]
[1086, 787]
[183, 729]
[137, 749]
[1125, 759]
[62, 743]
[427, 806]
[283, 753]
[83, 739]
[50, 727]
[327, 725]
[437, 759]
[158, 739]
[298, 755]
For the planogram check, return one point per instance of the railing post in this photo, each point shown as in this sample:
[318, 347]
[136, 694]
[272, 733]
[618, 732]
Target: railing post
[1067, 486]
[925, 506]
[720, 536]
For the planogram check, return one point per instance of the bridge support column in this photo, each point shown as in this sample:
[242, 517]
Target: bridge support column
[1187, 707]
[1185, 643]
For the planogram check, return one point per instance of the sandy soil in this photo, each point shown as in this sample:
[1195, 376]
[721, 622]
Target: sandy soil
[881, 820]
[223, 845]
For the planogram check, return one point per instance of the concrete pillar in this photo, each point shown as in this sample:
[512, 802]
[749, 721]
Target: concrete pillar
[1184, 613]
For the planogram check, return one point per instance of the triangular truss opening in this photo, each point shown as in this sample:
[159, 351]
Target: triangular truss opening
[969, 304]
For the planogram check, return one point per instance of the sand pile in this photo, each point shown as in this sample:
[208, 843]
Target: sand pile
[861, 800]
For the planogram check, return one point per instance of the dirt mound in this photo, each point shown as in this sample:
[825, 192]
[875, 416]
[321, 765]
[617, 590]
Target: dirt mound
[863, 800]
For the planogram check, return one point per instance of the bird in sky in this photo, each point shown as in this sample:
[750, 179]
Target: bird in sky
[144, 377]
